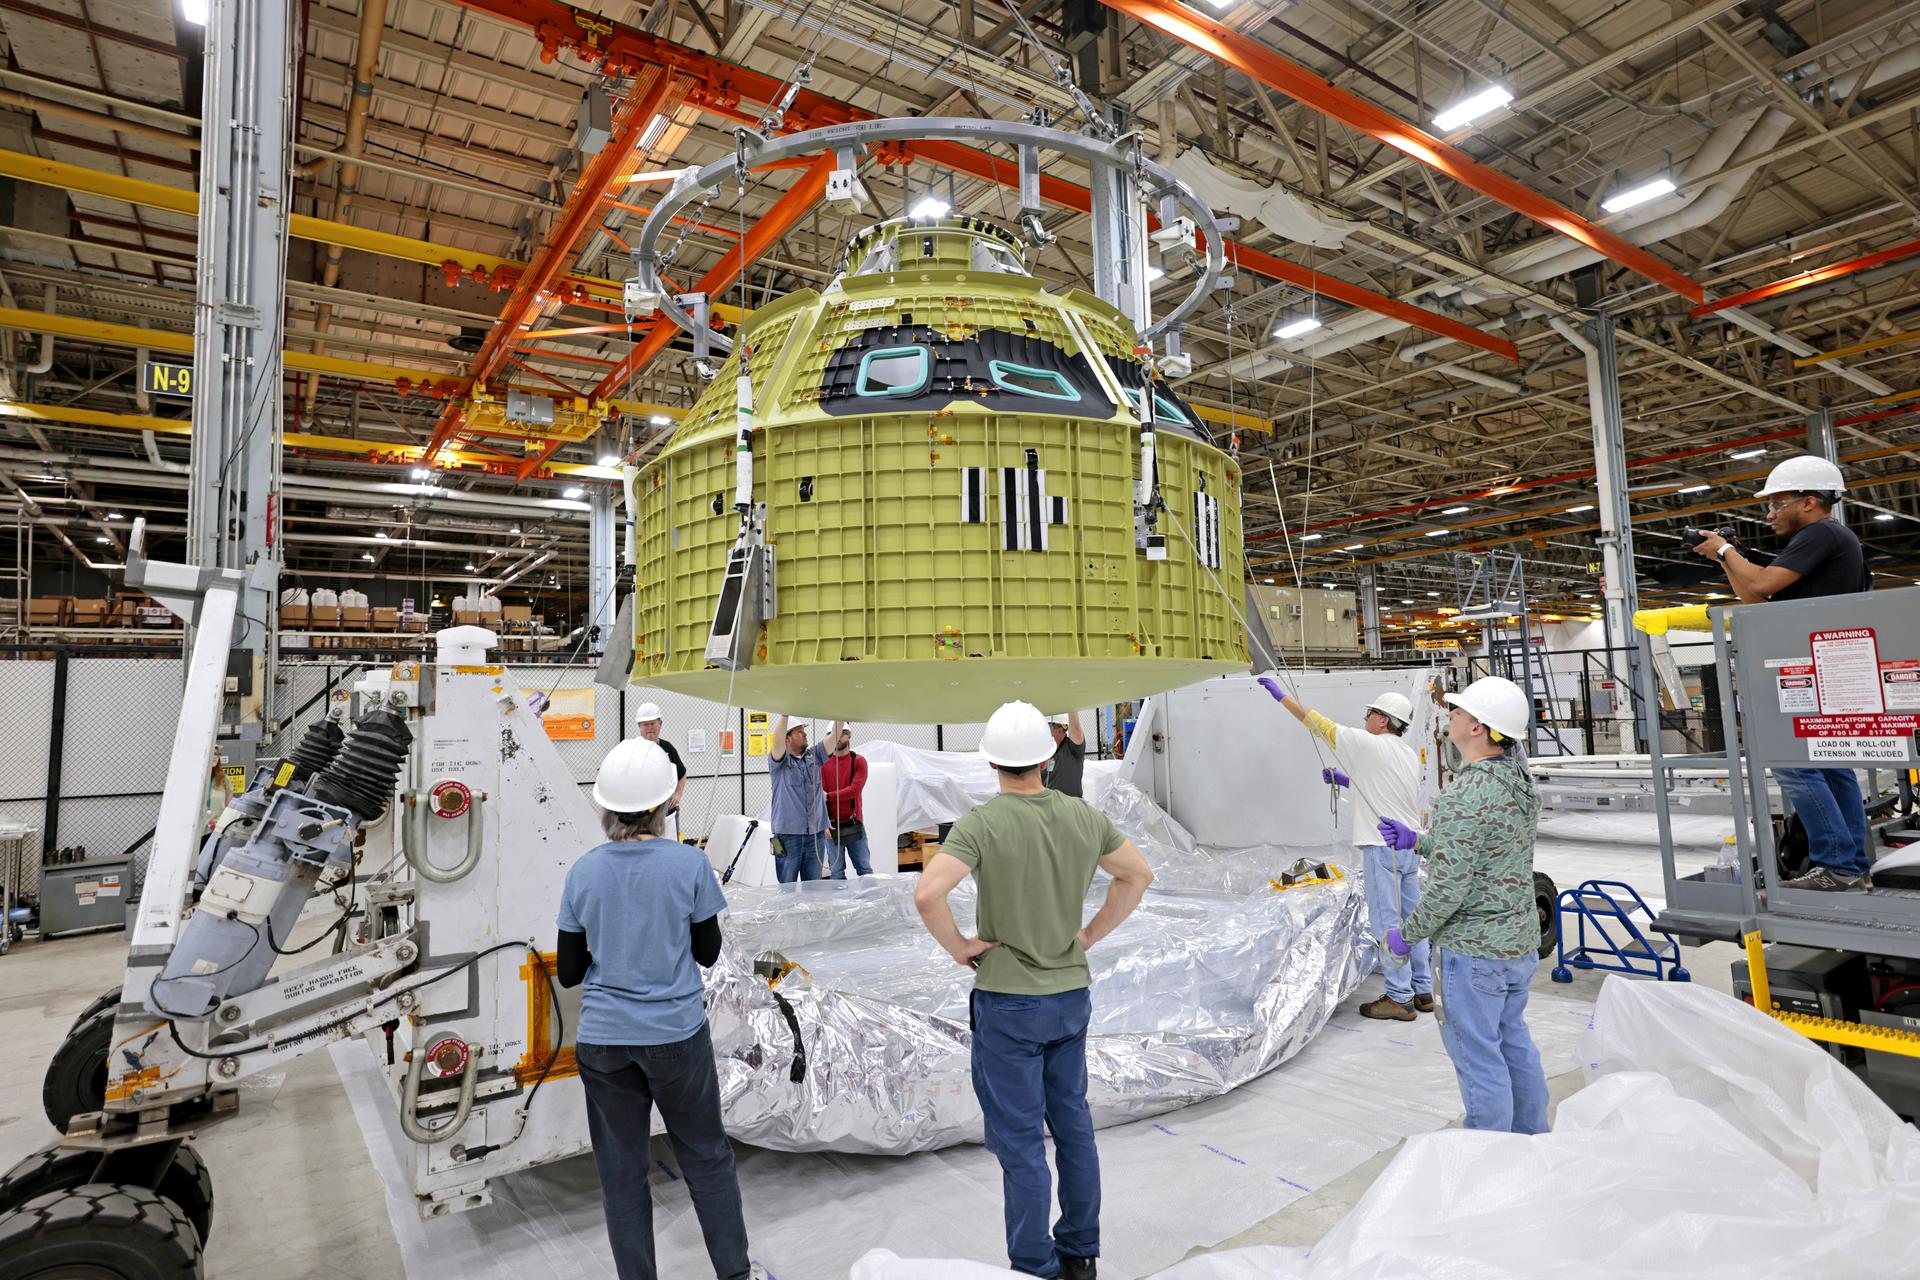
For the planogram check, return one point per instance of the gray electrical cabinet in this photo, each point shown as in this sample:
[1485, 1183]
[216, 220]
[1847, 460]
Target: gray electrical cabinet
[84, 895]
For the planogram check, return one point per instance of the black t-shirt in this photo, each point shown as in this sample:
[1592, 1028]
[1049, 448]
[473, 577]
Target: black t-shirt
[1828, 558]
[1069, 762]
[674, 756]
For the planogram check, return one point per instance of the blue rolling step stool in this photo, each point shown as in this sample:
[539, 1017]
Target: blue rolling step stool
[1616, 934]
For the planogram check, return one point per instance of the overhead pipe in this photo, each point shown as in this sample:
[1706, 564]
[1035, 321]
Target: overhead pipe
[366, 63]
[98, 120]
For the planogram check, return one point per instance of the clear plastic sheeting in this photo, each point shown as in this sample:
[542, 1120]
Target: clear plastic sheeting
[1709, 1142]
[1216, 979]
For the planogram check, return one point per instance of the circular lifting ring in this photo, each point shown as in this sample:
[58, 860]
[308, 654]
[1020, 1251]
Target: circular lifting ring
[755, 151]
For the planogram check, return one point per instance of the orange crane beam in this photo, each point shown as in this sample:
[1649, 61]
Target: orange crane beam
[1278, 72]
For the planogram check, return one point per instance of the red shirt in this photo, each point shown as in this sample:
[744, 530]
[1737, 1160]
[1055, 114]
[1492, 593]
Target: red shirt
[843, 778]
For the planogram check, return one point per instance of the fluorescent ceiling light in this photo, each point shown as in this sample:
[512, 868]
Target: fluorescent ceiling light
[1353, 546]
[656, 129]
[469, 566]
[380, 534]
[101, 538]
[609, 460]
[1438, 533]
[1696, 488]
[366, 555]
[1406, 602]
[1312, 537]
[1637, 195]
[660, 420]
[1747, 453]
[1467, 110]
[194, 11]
[655, 175]
[1585, 506]
[423, 473]
[929, 207]
[575, 492]
[115, 515]
[1883, 516]
[1294, 328]
[1454, 511]
[1433, 594]
[1268, 581]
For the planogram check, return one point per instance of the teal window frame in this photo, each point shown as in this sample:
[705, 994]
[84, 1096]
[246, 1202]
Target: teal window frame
[999, 370]
[1164, 409]
[883, 353]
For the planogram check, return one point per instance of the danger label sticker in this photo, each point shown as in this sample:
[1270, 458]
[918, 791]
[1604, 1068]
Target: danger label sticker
[1900, 684]
[1892, 750]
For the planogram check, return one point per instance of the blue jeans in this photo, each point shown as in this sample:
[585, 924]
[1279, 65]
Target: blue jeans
[623, 1084]
[1483, 1006]
[1831, 809]
[837, 855]
[1393, 891]
[1030, 1065]
[799, 857]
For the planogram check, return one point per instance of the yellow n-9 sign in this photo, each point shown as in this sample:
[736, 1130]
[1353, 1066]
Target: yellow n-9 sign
[158, 379]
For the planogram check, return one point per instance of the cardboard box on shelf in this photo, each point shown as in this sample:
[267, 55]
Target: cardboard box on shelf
[89, 613]
[326, 617]
[385, 619]
[293, 617]
[516, 613]
[355, 618]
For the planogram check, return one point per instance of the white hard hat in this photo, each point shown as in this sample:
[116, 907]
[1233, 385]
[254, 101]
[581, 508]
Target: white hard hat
[1394, 705]
[1804, 474]
[1059, 719]
[1495, 702]
[1017, 737]
[636, 776]
[646, 711]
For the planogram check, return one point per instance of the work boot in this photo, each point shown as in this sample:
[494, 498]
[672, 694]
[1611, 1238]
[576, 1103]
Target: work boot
[1825, 880]
[1076, 1268]
[1423, 1002]
[1387, 1007]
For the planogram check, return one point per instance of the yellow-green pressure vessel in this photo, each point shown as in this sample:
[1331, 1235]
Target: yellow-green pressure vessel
[947, 455]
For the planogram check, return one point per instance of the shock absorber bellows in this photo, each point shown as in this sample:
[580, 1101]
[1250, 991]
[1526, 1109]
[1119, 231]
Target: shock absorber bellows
[362, 774]
[316, 749]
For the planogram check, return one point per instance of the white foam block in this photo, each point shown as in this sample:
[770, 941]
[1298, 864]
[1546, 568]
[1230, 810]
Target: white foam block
[880, 803]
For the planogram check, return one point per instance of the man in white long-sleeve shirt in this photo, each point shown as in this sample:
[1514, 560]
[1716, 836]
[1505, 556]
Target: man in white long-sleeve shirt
[1383, 775]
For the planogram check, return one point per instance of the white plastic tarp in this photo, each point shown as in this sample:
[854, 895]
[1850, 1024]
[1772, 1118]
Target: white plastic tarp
[1710, 1141]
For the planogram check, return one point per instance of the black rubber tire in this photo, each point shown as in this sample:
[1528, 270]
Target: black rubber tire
[1546, 900]
[107, 1001]
[76, 1080]
[52, 1169]
[99, 1229]
[187, 1182]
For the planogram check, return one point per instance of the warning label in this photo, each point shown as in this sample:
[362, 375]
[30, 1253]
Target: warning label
[1900, 684]
[1846, 671]
[1796, 689]
[1894, 750]
[1880, 726]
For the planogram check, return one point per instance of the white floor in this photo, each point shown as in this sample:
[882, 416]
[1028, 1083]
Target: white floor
[300, 1191]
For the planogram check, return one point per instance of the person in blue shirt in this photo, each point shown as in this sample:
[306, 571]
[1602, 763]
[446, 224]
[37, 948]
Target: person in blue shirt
[799, 816]
[638, 918]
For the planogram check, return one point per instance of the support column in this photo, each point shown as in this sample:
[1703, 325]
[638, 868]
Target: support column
[1621, 593]
[233, 517]
[1822, 442]
[600, 602]
[1370, 614]
[1119, 240]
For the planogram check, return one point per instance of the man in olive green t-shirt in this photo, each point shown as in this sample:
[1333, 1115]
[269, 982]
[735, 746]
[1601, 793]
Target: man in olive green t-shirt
[1032, 853]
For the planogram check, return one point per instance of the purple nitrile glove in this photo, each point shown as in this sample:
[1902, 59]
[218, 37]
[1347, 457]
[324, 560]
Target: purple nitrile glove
[1335, 778]
[1272, 686]
[1396, 834]
[1397, 944]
